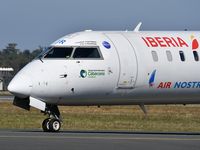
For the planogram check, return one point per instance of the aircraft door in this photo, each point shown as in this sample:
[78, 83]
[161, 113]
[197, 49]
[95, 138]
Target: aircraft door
[127, 59]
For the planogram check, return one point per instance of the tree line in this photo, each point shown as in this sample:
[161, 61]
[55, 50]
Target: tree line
[15, 58]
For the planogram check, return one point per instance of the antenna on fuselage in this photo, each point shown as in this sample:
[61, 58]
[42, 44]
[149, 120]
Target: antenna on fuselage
[137, 28]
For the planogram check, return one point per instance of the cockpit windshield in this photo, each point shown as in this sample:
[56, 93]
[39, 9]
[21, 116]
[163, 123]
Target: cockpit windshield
[44, 51]
[67, 52]
[59, 52]
[56, 52]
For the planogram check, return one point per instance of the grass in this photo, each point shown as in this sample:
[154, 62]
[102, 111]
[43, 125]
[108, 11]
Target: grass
[171, 118]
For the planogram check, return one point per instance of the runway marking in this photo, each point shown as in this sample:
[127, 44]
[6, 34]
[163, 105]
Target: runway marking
[105, 138]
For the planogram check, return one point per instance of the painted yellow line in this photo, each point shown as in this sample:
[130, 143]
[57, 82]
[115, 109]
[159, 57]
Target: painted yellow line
[105, 138]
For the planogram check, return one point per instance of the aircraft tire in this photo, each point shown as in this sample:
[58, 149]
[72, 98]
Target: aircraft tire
[45, 125]
[54, 125]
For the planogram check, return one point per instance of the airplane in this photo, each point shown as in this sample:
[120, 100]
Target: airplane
[95, 68]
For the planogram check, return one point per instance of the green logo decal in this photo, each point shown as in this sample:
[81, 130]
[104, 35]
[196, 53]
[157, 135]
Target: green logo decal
[92, 73]
[83, 73]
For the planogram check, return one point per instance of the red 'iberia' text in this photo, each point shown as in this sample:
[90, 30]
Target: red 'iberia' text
[164, 42]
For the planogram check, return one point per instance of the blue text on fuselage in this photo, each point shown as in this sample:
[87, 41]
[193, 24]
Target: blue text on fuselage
[187, 85]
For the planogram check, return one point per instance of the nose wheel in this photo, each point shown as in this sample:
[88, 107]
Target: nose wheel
[45, 125]
[51, 125]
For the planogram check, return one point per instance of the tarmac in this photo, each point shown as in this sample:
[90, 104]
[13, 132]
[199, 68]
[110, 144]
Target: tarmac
[97, 140]
[6, 98]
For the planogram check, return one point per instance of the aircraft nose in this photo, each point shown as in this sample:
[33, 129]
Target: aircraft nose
[20, 86]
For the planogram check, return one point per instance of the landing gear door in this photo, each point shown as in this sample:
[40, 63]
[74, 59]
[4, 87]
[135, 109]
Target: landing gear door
[127, 59]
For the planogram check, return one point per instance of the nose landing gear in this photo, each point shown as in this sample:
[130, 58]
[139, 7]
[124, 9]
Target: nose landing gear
[53, 123]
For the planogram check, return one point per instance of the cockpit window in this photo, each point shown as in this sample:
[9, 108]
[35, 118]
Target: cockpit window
[86, 52]
[59, 52]
[44, 51]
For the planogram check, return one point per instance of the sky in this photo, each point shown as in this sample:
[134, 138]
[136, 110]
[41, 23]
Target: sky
[33, 23]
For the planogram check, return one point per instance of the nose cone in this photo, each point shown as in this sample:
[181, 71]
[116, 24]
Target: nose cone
[20, 86]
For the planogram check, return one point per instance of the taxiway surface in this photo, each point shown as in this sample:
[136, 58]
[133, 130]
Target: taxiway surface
[80, 140]
[6, 98]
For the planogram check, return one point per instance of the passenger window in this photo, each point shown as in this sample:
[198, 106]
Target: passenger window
[84, 52]
[196, 56]
[169, 55]
[182, 56]
[59, 52]
[154, 55]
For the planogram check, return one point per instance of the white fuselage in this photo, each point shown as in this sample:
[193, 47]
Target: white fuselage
[132, 68]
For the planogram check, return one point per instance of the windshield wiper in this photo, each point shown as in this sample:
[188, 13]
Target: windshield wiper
[40, 58]
[42, 54]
